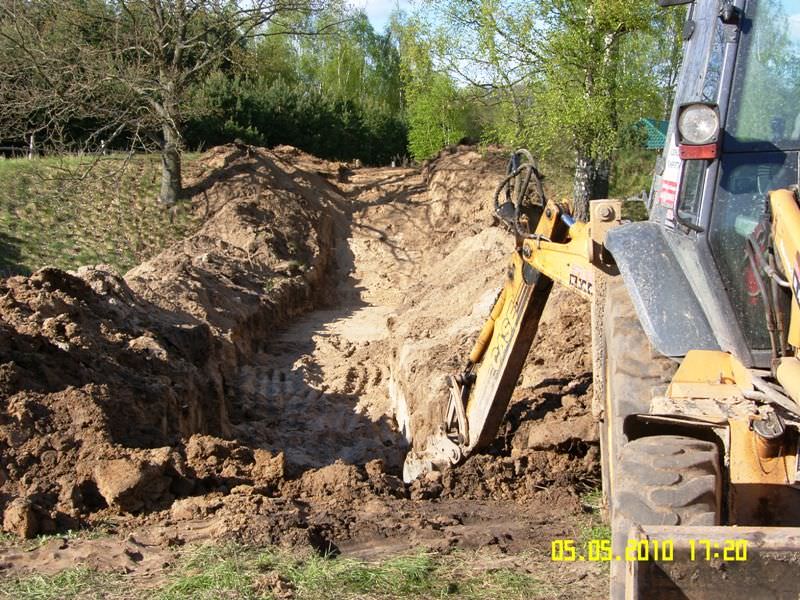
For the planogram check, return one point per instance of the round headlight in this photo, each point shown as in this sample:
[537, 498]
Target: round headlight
[698, 124]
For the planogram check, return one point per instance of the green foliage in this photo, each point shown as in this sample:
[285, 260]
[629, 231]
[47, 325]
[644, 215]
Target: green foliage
[352, 61]
[336, 95]
[438, 112]
[771, 64]
[437, 116]
[632, 171]
[311, 74]
[565, 78]
[265, 112]
[594, 80]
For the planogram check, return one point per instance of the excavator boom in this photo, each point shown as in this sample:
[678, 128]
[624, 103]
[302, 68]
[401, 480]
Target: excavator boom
[559, 249]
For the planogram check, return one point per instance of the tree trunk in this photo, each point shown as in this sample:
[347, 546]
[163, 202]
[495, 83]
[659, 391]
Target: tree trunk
[591, 182]
[602, 175]
[171, 181]
[582, 186]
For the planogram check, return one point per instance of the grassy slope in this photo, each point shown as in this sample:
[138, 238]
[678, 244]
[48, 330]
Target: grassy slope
[51, 215]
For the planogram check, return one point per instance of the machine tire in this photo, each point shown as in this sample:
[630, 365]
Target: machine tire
[662, 480]
[633, 372]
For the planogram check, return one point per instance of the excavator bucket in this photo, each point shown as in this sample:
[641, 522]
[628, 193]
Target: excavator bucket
[703, 563]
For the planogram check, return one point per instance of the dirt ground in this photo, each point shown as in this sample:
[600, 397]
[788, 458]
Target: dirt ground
[262, 380]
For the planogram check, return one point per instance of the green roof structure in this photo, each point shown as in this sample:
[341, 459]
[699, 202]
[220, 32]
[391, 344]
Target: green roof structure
[656, 132]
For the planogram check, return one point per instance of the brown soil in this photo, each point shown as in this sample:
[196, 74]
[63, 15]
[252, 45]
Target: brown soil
[263, 379]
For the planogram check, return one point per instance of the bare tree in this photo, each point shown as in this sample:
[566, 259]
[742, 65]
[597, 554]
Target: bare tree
[89, 72]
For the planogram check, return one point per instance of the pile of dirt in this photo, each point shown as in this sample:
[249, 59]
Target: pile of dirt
[100, 376]
[263, 378]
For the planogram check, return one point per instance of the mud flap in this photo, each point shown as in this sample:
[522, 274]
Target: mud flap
[670, 312]
[707, 563]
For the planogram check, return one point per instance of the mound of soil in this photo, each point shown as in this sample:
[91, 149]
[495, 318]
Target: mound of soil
[263, 378]
[100, 375]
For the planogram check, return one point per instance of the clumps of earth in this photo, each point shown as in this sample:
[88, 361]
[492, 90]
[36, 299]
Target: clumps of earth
[263, 378]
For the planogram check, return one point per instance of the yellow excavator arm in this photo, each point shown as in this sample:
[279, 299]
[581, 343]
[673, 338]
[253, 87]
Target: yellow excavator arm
[753, 415]
[560, 250]
[572, 254]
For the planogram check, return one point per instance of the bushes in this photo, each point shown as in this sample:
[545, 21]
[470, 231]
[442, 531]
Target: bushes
[265, 112]
[438, 115]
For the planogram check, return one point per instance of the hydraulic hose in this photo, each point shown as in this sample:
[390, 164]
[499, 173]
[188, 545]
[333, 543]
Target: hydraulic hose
[520, 172]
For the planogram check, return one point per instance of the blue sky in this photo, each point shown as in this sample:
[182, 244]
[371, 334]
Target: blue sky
[378, 11]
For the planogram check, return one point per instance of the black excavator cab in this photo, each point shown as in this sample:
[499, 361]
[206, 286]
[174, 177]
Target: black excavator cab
[734, 135]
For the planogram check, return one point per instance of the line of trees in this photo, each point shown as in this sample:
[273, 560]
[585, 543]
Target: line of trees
[111, 68]
[566, 78]
[337, 95]
[164, 74]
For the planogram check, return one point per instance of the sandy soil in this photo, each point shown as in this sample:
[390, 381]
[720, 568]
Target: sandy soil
[263, 380]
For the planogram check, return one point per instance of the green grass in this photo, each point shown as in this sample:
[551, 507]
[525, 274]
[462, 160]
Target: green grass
[40, 540]
[231, 571]
[402, 576]
[595, 526]
[213, 572]
[79, 582]
[238, 572]
[61, 212]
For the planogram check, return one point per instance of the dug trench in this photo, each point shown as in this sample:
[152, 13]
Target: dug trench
[262, 380]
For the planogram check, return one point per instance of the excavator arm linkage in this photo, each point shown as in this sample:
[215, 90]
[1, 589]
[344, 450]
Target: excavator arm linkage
[560, 250]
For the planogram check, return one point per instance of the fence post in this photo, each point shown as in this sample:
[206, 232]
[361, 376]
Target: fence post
[31, 148]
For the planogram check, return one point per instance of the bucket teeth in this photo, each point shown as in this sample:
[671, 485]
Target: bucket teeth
[444, 448]
[440, 453]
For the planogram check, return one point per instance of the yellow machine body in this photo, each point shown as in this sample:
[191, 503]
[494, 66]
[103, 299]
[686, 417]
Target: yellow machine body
[755, 423]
